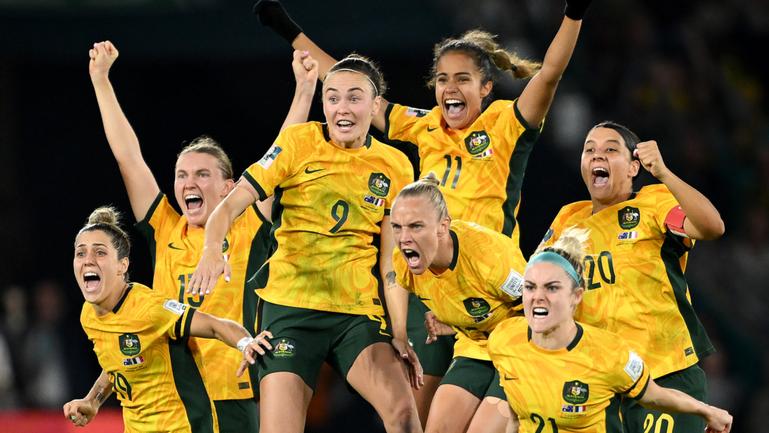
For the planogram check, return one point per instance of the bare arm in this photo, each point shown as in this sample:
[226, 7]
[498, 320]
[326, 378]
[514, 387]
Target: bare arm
[703, 222]
[673, 400]
[82, 411]
[397, 300]
[537, 96]
[212, 262]
[140, 183]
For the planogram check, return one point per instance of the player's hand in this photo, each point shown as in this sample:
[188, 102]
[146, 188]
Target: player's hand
[305, 70]
[212, 265]
[575, 9]
[272, 14]
[651, 159]
[80, 412]
[718, 420]
[414, 367]
[102, 55]
[436, 328]
[258, 345]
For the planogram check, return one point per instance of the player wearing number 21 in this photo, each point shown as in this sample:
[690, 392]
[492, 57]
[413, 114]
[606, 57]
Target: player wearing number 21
[334, 186]
[134, 330]
[634, 267]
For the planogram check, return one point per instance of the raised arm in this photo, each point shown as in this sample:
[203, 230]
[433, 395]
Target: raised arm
[702, 222]
[272, 14]
[673, 400]
[140, 183]
[537, 96]
[82, 411]
[397, 301]
[232, 334]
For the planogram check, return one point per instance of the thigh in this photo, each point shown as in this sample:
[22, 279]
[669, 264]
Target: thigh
[435, 357]
[492, 416]
[452, 410]
[637, 418]
[284, 403]
[236, 416]
[424, 396]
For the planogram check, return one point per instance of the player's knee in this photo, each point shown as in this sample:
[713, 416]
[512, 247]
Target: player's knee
[402, 414]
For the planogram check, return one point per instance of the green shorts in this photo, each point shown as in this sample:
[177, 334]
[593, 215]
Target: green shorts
[434, 357]
[478, 377]
[303, 339]
[691, 381]
[237, 416]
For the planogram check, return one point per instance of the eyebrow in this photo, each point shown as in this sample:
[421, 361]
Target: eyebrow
[98, 244]
[611, 140]
[348, 90]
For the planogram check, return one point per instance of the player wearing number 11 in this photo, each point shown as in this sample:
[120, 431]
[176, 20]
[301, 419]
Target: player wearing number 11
[637, 254]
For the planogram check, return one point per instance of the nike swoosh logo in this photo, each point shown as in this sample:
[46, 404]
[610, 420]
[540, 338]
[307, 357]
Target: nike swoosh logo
[422, 299]
[308, 171]
[431, 129]
[171, 245]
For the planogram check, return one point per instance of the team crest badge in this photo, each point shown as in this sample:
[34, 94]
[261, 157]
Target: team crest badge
[477, 307]
[628, 217]
[284, 348]
[379, 184]
[576, 392]
[129, 344]
[477, 142]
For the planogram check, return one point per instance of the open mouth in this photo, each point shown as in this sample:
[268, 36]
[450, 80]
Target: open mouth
[539, 312]
[453, 107]
[345, 125]
[193, 201]
[91, 280]
[600, 176]
[412, 257]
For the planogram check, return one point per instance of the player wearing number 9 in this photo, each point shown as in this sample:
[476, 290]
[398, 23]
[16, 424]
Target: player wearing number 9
[634, 268]
[334, 186]
[136, 331]
[560, 375]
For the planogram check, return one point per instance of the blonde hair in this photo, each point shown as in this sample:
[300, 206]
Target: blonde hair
[206, 144]
[571, 246]
[427, 187]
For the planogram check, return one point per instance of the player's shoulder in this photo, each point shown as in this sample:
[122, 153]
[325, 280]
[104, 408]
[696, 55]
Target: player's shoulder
[508, 334]
[569, 210]
[653, 192]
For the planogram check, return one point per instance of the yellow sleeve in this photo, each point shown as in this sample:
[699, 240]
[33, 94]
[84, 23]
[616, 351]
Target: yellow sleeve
[403, 174]
[631, 374]
[160, 218]
[404, 123]
[172, 318]
[277, 164]
[506, 279]
[664, 202]
[509, 123]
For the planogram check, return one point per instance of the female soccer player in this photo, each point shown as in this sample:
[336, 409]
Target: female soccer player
[203, 177]
[136, 331]
[467, 276]
[564, 376]
[635, 263]
[479, 148]
[333, 186]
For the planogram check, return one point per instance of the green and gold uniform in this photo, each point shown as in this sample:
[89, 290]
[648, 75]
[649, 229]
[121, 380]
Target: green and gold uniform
[176, 249]
[634, 275]
[141, 344]
[481, 287]
[329, 206]
[481, 171]
[574, 389]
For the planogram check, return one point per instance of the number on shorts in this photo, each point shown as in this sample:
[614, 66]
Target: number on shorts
[667, 419]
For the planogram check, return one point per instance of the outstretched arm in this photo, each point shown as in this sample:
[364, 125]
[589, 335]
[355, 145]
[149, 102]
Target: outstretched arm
[140, 183]
[537, 96]
[82, 411]
[702, 222]
[673, 400]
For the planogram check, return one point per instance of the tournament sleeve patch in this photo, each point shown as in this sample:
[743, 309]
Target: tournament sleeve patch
[175, 307]
[513, 285]
[634, 367]
[674, 221]
[270, 156]
[416, 112]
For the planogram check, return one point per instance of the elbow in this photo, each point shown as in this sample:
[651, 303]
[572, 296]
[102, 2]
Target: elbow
[714, 231]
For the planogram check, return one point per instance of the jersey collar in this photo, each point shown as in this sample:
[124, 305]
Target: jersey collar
[571, 345]
[122, 298]
[327, 137]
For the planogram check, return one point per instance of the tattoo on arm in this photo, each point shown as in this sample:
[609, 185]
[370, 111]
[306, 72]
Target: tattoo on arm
[390, 276]
[100, 397]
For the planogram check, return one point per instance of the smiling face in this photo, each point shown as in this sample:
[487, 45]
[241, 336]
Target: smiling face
[418, 232]
[607, 167]
[199, 186]
[459, 90]
[349, 104]
[98, 270]
[549, 298]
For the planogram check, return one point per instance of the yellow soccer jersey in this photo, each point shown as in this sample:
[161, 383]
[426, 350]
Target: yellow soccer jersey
[634, 276]
[329, 204]
[481, 288]
[136, 345]
[567, 390]
[176, 249]
[480, 168]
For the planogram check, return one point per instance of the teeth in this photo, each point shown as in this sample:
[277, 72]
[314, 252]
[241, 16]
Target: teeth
[539, 311]
[344, 123]
[453, 101]
[192, 197]
[600, 171]
[90, 274]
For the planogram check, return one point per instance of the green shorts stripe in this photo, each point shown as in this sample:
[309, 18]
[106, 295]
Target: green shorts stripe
[237, 416]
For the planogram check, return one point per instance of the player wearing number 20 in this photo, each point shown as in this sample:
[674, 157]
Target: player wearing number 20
[637, 253]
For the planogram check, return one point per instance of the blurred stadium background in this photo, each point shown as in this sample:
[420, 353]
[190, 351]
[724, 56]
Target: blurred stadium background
[689, 74]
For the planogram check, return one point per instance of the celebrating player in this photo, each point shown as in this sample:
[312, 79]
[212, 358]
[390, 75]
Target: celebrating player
[333, 186]
[563, 376]
[635, 265]
[203, 177]
[478, 147]
[139, 337]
